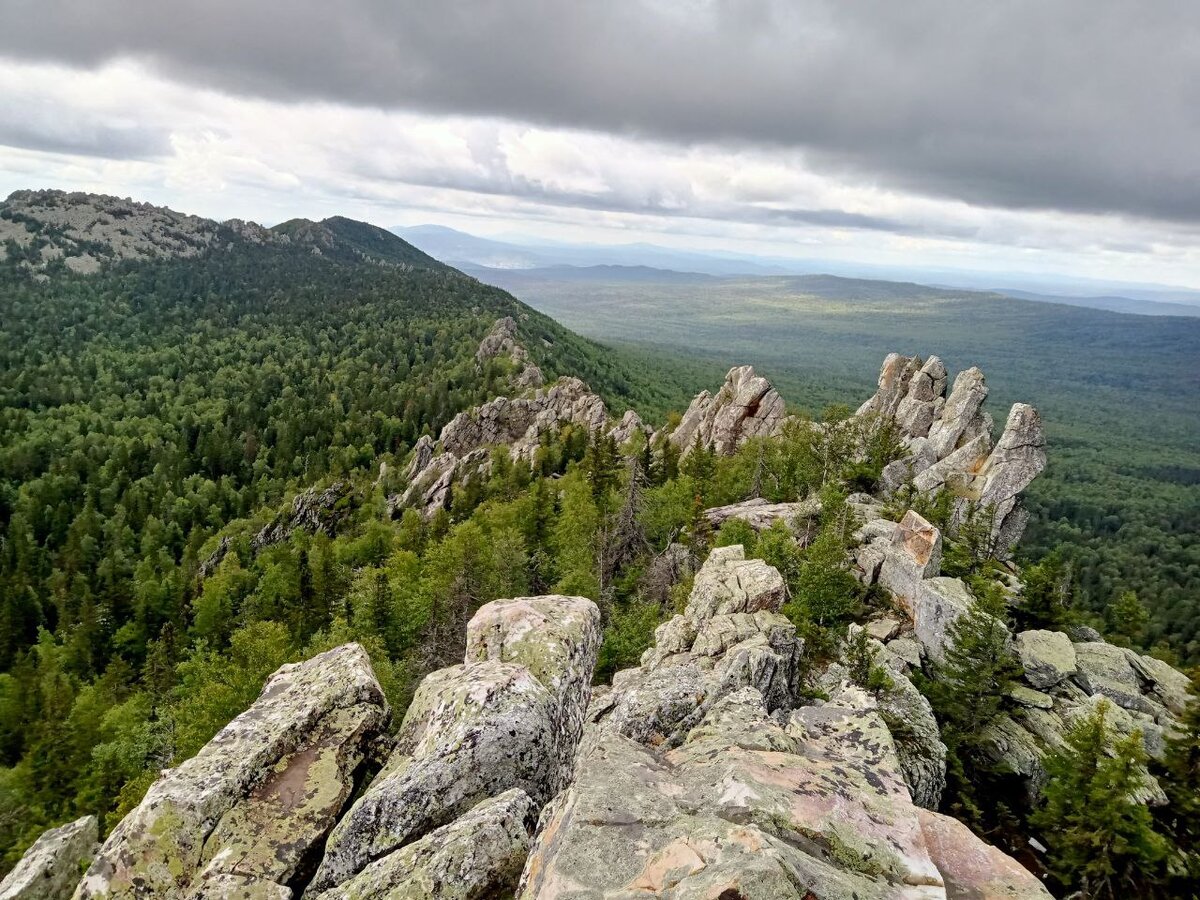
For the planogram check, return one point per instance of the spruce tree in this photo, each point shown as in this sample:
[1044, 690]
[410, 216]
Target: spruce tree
[1179, 775]
[968, 691]
[1102, 842]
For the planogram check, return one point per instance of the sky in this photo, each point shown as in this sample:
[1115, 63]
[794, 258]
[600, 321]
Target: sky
[1012, 135]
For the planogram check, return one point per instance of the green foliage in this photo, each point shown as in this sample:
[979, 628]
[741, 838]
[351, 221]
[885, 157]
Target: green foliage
[1102, 841]
[968, 690]
[1121, 492]
[1048, 599]
[1179, 775]
[1127, 618]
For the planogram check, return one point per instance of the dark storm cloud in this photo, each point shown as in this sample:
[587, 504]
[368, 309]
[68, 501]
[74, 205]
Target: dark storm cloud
[1085, 105]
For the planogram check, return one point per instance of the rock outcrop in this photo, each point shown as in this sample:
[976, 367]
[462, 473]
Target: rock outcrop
[503, 342]
[312, 511]
[84, 230]
[745, 407]
[257, 802]
[761, 514]
[753, 806]
[515, 424]
[1067, 680]
[949, 442]
[709, 771]
[506, 721]
[49, 870]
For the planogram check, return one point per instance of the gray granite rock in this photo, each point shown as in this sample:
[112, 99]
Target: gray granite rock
[49, 869]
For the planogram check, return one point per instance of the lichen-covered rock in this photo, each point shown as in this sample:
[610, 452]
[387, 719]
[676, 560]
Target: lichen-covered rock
[730, 636]
[284, 767]
[938, 604]
[1047, 656]
[913, 554]
[557, 639]
[730, 583]
[478, 855]
[973, 869]
[761, 514]
[745, 407]
[1104, 669]
[312, 511]
[1167, 685]
[743, 808]
[49, 870]
[472, 732]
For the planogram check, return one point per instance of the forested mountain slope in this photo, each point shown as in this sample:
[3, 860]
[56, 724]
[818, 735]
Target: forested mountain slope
[1121, 395]
[231, 451]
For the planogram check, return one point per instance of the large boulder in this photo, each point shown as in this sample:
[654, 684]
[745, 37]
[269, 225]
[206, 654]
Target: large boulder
[260, 797]
[557, 639]
[1047, 656]
[1104, 669]
[938, 605]
[745, 407]
[748, 807]
[478, 855]
[974, 869]
[913, 554]
[509, 718]
[49, 870]
[472, 732]
[730, 583]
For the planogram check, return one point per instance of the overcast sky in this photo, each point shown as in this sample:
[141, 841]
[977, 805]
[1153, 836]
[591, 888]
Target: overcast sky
[1014, 134]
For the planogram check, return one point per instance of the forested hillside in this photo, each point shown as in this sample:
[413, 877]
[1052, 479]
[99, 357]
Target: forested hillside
[1121, 395]
[145, 406]
[227, 448]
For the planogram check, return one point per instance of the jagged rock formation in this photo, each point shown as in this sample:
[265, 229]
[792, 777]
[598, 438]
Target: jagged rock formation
[503, 341]
[745, 407]
[49, 870]
[506, 722]
[707, 772]
[949, 441]
[516, 424]
[312, 511]
[250, 809]
[731, 635]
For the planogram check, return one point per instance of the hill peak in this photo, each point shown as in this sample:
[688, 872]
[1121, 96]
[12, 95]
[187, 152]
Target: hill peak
[83, 231]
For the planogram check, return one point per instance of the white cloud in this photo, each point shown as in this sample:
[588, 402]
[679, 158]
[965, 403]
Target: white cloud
[121, 129]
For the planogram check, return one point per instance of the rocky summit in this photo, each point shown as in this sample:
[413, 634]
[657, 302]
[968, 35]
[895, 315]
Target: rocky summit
[734, 762]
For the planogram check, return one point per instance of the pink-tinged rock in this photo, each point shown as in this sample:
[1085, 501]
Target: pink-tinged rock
[972, 868]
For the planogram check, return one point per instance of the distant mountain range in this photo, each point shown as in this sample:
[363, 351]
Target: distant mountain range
[651, 263]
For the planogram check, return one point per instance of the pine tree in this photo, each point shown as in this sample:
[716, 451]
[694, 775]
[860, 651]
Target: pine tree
[1179, 775]
[1048, 598]
[1127, 618]
[1101, 840]
[968, 690]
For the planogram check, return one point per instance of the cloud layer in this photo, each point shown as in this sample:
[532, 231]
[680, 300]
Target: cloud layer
[1087, 105]
[1022, 135]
